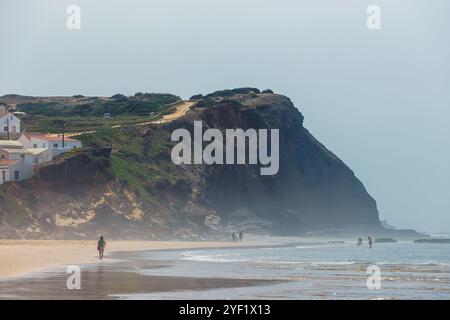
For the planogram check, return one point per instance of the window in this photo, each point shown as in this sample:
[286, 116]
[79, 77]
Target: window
[36, 160]
[3, 176]
[35, 145]
[55, 145]
[5, 129]
[22, 156]
[16, 175]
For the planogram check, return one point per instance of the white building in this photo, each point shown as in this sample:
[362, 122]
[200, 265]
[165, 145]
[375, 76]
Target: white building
[54, 142]
[6, 166]
[16, 162]
[18, 159]
[8, 121]
[14, 170]
[13, 150]
[40, 155]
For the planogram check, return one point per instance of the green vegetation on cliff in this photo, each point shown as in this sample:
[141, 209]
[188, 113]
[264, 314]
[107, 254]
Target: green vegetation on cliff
[81, 113]
[116, 105]
[139, 160]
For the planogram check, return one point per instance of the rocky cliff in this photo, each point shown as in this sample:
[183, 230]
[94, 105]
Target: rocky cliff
[137, 192]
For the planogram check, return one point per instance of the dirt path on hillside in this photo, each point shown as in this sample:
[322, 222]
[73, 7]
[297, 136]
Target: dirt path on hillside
[181, 110]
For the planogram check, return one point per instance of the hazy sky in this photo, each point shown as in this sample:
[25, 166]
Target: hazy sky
[379, 99]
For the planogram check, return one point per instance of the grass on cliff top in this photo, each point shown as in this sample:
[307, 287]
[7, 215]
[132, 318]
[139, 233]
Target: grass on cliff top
[86, 114]
[139, 104]
[34, 123]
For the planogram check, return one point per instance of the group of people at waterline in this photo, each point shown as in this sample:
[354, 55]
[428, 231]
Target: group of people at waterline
[237, 237]
[369, 240]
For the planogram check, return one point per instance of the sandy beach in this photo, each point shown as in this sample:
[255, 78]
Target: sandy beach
[19, 257]
[268, 269]
[36, 269]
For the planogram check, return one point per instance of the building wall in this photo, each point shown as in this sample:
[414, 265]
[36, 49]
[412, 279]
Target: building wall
[56, 147]
[39, 143]
[43, 157]
[25, 170]
[32, 143]
[24, 165]
[15, 156]
[14, 123]
[67, 145]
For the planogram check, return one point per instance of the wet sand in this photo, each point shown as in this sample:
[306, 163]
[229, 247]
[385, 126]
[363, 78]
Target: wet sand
[20, 257]
[119, 276]
[103, 284]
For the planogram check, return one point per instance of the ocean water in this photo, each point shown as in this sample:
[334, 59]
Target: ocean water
[321, 271]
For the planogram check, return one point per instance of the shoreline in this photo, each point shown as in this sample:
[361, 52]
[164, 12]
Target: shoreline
[22, 257]
[36, 269]
[158, 270]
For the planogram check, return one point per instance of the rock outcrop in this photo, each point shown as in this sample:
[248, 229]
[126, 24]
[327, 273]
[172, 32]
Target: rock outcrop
[314, 189]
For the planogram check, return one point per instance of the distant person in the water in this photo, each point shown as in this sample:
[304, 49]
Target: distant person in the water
[360, 242]
[101, 244]
[370, 242]
[234, 237]
[241, 236]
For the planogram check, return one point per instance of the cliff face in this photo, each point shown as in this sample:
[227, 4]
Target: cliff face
[313, 190]
[137, 192]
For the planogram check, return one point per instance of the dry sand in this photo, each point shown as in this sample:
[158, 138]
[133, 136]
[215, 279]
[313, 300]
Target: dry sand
[19, 257]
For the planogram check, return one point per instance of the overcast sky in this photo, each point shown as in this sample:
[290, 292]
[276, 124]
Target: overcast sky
[379, 99]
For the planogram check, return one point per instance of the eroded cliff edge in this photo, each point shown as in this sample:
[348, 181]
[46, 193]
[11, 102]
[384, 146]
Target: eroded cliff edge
[136, 192]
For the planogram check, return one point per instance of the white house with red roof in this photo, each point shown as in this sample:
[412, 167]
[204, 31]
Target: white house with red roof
[8, 121]
[18, 158]
[54, 142]
[14, 150]
[16, 163]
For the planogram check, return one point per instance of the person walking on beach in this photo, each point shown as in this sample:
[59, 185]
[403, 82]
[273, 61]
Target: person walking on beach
[241, 236]
[101, 244]
[370, 242]
[234, 237]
